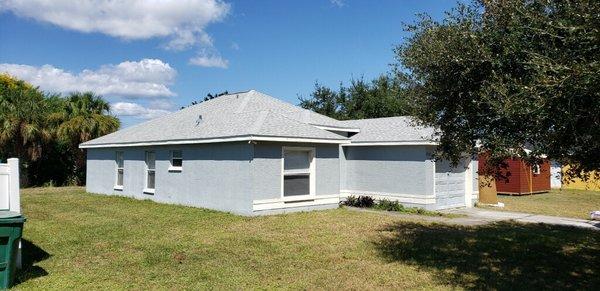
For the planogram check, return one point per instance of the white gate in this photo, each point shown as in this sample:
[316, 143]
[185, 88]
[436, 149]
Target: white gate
[10, 198]
[9, 186]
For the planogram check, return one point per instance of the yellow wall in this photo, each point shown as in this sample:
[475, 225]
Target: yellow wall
[592, 184]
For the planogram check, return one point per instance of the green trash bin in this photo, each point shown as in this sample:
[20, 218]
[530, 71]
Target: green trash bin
[11, 229]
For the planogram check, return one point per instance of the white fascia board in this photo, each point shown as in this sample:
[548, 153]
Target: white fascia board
[333, 128]
[389, 143]
[215, 140]
[295, 139]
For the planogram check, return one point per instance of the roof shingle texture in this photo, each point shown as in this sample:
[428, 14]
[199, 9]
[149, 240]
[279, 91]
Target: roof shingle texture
[389, 129]
[234, 115]
[253, 113]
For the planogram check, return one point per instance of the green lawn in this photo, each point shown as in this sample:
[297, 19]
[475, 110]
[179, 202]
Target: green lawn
[79, 240]
[567, 203]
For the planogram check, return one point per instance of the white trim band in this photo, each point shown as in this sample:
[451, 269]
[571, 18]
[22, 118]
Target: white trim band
[294, 201]
[390, 143]
[215, 140]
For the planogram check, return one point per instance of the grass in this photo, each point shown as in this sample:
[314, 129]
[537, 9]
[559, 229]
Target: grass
[567, 203]
[75, 240]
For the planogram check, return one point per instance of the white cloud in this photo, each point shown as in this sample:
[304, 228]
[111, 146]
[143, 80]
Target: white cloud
[183, 22]
[148, 78]
[136, 110]
[209, 59]
[338, 3]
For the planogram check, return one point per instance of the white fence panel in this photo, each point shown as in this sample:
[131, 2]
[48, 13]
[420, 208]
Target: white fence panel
[10, 198]
[4, 187]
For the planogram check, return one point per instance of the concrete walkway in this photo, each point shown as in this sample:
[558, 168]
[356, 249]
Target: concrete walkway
[479, 216]
[492, 216]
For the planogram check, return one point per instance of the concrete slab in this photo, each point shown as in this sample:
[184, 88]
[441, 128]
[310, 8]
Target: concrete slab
[491, 215]
[478, 216]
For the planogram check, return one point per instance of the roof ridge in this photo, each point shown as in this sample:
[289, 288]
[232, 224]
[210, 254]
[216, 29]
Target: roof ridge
[259, 121]
[296, 107]
[244, 103]
[304, 123]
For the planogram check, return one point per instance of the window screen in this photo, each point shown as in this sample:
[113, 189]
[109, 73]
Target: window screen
[296, 172]
[296, 185]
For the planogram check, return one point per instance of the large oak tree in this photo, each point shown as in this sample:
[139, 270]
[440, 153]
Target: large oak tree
[509, 74]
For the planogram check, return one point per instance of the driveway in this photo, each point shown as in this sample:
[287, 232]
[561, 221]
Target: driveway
[479, 216]
[492, 216]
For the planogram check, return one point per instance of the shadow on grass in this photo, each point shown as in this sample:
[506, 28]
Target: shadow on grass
[498, 256]
[31, 255]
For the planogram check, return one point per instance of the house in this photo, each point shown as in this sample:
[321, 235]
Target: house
[521, 178]
[249, 153]
[591, 184]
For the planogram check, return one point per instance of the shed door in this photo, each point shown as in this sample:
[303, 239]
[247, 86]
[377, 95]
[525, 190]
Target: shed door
[449, 185]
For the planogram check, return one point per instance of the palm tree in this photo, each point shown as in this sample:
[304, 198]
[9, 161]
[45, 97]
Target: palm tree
[85, 116]
[23, 129]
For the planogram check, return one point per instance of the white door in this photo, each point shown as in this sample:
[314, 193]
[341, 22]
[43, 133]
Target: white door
[449, 185]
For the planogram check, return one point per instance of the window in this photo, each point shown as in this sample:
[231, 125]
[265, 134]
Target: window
[150, 172]
[297, 172]
[535, 169]
[176, 161]
[119, 161]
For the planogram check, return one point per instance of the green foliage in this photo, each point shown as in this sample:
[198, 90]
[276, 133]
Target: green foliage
[511, 74]
[388, 205]
[22, 119]
[84, 116]
[360, 201]
[44, 131]
[382, 97]
[209, 96]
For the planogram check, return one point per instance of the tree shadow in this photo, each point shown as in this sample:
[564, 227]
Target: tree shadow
[31, 254]
[501, 256]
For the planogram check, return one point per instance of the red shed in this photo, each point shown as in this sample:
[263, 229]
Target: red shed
[522, 179]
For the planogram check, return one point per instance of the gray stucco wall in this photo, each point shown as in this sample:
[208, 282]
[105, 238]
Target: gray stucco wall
[266, 169]
[215, 176]
[221, 176]
[388, 169]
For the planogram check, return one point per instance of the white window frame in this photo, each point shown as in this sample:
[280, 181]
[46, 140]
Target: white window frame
[311, 173]
[117, 168]
[147, 170]
[536, 169]
[174, 168]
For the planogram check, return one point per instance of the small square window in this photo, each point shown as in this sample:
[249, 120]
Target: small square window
[535, 169]
[176, 160]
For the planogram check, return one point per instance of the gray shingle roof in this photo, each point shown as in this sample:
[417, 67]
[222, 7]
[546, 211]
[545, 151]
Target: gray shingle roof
[389, 129]
[254, 114]
[236, 115]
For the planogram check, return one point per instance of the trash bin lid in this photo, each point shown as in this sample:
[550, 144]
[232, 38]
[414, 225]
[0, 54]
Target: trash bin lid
[10, 217]
[9, 214]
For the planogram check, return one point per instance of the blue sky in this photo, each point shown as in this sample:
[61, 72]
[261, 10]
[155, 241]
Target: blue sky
[149, 60]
